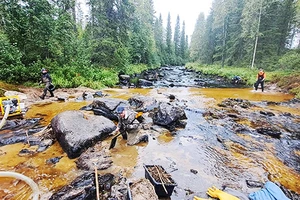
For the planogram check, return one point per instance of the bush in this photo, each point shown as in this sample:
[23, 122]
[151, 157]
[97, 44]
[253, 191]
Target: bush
[290, 61]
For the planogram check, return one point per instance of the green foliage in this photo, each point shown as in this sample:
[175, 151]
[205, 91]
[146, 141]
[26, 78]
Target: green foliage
[248, 75]
[9, 54]
[135, 69]
[290, 60]
[75, 76]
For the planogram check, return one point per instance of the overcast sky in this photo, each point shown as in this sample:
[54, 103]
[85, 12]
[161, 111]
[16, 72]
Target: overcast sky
[188, 11]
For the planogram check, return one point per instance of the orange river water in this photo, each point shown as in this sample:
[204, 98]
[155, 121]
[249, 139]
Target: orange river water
[50, 178]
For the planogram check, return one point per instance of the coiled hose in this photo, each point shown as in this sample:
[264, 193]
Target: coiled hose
[7, 108]
[29, 181]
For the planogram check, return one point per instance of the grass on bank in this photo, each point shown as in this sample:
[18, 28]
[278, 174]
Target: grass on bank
[288, 80]
[67, 76]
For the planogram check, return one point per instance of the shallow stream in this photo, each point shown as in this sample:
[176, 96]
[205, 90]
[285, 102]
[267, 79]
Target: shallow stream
[193, 149]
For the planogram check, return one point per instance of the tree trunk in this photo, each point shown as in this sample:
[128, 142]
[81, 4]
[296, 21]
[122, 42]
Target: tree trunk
[256, 39]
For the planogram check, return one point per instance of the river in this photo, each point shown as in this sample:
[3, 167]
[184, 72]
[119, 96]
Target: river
[193, 149]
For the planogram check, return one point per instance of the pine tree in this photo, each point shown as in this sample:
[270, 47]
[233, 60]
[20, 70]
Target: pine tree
[177, 37]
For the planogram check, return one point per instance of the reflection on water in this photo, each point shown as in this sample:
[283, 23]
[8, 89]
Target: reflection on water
[195, 148]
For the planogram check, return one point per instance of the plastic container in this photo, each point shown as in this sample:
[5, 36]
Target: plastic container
[158, 186]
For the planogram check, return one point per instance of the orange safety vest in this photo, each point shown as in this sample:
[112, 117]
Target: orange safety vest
[261, 75]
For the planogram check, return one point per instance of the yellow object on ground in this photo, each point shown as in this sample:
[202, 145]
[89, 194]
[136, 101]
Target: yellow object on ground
[198, 198]
[216, 193]
[13, 102]
[219, 194]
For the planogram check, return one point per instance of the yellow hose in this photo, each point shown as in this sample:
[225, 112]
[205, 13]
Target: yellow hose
[29, 181]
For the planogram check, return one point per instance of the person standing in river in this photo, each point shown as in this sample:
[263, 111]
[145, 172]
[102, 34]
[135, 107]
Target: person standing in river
[261, 76]
[47, 80]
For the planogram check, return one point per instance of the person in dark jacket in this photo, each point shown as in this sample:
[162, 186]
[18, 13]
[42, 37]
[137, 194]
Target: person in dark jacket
[47, 80]
[261, 76]
[129, 126]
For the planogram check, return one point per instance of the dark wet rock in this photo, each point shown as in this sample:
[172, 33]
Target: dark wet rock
[150, 75]
[33, 141]
[17, 136]
[269, 103]
[99, 94]
[293, 103]
[291, 124]
[172, 97]
[84, 188]
[137, 137]
[286, 151]
[95, 156]
[62, 96]
[267, 113]
[124, 80]
[45, 144]
[53, 160]
[210, 115]
[87, 108]
[87, 96]
[76, 132]
[119, 190]
[233, 115]
[145, 83]
[290, 194]
[106, 107]
[26, 152]
[271, 131]
[286, 114]
[18, 124]
[168, 115]
[106, 113]
[235, 102]
[254, 184]
[143, 103]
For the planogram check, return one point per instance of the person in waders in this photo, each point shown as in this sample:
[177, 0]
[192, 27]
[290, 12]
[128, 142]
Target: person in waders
[129, 126]
[47, 80]
[261, 76]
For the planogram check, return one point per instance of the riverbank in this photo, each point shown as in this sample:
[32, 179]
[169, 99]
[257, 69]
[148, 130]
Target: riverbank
[286, 81]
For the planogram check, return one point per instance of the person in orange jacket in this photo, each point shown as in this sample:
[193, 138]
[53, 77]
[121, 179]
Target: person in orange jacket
[261, 76]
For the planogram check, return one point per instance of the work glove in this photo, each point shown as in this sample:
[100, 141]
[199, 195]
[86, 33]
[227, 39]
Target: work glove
[216, 193]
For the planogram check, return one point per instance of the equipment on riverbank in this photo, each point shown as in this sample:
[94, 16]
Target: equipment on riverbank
[13, 102]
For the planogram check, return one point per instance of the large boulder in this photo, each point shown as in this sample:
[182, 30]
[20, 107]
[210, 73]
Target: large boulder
[143, 103]
[77, 132]
[107, 106]
[169, 116]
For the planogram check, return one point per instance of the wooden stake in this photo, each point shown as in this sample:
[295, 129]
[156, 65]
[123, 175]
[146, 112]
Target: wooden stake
[161, 180]
[97, 184]
[27, 137]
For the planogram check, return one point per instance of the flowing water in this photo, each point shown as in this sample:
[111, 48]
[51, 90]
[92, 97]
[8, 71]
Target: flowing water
[194, 148]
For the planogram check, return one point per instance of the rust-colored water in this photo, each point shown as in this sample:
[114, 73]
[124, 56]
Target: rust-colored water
[127, 158]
